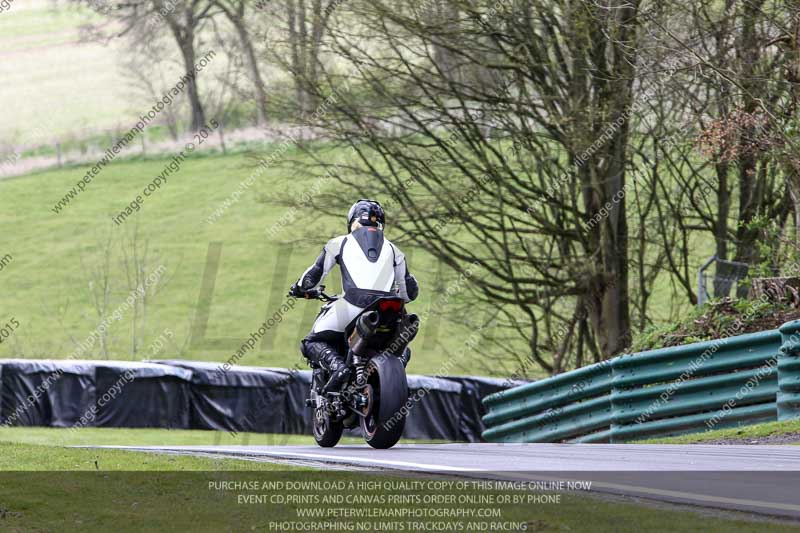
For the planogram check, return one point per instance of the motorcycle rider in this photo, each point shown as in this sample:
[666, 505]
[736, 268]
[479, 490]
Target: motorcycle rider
[371, 267]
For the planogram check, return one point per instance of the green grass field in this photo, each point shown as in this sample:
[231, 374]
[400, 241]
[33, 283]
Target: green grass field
[56, 82]
[68, 85]
[45, 436]
[60, 263]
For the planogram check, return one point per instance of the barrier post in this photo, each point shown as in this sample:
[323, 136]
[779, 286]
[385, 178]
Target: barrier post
[613, 437]
[788, 398]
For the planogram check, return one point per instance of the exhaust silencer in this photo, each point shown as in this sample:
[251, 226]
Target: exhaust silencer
[365, 328]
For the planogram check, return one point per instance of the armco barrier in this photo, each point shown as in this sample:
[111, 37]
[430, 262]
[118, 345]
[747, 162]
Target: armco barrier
[570, 405]
[727, 382]
[788, 398]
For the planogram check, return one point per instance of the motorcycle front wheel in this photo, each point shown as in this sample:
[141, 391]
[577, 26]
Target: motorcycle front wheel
[387, 389]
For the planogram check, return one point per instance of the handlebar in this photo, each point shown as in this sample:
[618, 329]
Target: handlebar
[319, 294]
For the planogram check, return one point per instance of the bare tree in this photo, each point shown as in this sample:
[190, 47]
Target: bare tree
[305, 23]
[235, 11]
[734, 100]
[583, 152]
[145, 65]
[98, 273]
[184, 22]
[479, 160]
[138, 263]
[183, 18]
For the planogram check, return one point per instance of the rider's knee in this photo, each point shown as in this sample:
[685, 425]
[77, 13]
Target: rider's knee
[321, 354]
[304, 349]
[307, 354]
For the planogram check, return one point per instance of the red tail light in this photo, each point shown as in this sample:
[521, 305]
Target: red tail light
[390, 305]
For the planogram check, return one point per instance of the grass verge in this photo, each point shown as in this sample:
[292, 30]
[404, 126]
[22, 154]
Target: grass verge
[75, 489]
[758, 433]
[146, 437]
[135, 491]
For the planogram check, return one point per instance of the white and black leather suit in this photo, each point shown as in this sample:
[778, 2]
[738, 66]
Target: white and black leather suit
[371, 267]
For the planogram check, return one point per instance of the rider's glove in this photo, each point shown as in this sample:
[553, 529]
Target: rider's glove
[296, 291]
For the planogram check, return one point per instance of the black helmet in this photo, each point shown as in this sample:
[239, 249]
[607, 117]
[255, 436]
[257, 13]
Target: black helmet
[367, 212]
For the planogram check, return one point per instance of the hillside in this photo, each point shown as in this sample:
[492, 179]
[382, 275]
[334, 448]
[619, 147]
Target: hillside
[53, 281]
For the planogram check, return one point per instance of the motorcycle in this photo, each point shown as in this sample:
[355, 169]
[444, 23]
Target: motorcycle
[376, 387]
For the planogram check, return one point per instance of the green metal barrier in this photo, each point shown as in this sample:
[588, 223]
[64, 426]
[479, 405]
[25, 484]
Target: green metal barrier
[671, 391]
[575, 404]
[788, 399]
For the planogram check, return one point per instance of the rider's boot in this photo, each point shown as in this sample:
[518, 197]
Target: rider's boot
[325, 356]
[339, 374]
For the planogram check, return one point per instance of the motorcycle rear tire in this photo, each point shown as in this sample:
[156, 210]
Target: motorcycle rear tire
[384, 424]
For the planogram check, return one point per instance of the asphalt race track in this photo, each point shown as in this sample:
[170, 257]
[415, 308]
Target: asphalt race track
[760, 479]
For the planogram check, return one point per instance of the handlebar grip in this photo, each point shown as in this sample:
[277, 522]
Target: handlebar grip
[313, 294]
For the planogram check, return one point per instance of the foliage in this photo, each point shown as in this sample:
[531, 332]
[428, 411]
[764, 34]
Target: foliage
[716, 319]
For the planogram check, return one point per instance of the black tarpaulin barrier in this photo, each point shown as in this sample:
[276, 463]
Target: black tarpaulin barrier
[434, 409]
[141, 395]
[45, 392]
[239, 398]
[296, 384]
[200, 395]
[473, 390]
